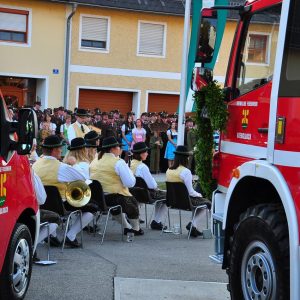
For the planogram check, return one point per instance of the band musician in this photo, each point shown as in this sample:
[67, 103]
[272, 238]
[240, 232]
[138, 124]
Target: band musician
[116, 177]
[53, 172]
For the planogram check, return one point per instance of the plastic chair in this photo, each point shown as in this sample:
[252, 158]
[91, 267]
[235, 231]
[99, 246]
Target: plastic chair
[142, 194]
[54, 203]
[178, 198]
[99, 196]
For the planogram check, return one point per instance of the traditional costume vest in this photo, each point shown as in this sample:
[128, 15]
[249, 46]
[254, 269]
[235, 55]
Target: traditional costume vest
[78, 130]
[134, 164]
[47, 170]
[174, 175]
[103, 170]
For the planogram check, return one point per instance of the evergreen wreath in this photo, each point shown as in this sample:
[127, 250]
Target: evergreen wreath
[211, 115]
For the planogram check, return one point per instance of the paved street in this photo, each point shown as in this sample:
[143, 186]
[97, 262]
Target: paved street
[116, 269]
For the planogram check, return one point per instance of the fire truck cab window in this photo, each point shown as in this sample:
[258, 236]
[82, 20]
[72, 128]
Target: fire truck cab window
[290, 74]
[258, 50]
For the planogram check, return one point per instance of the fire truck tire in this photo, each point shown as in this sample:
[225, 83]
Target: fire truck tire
[16, 272]
[259, 256]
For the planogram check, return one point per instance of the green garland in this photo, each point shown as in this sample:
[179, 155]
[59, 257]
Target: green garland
[211, 115]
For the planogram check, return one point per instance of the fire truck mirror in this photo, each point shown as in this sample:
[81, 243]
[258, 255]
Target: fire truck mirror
[207, 34]
[200, 78]
[27, 130]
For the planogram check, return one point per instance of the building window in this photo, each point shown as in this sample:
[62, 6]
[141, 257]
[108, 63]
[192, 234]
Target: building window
[94, 32]
[13, 25]
[258, 49]
[151, 39]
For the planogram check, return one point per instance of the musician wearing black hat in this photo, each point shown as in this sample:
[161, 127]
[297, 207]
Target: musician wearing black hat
[92, 141]
[116, 177]
[53, 172]
[139, 169]
[179, 172]
[78, 129]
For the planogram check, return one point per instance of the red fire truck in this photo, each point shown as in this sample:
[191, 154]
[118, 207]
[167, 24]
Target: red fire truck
[256, 206]
[19, 214]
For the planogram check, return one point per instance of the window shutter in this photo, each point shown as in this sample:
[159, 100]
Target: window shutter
[151, 39]
[13, 22]
[94, 29]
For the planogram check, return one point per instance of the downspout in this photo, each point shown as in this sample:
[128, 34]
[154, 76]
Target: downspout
[67, 56]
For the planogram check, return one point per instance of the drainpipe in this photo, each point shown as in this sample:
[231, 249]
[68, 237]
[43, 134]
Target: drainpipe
[67, 57]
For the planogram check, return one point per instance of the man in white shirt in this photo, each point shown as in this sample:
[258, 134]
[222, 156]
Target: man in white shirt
[116, 177]
[78, 128]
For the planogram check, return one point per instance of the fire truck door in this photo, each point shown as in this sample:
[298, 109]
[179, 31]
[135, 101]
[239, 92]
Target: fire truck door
[253, 67]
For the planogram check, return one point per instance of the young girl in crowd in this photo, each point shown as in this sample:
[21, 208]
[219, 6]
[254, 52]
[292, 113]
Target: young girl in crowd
[126, 129]
[171, 145]
[138, 133]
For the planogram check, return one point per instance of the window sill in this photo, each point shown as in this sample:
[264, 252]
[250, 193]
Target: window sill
[14, 44]
[151, 56]
[87, 49]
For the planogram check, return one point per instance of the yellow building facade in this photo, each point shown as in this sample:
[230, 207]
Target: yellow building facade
[117, 59]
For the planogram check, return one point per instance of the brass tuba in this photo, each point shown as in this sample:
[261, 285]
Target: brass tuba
[78, 193]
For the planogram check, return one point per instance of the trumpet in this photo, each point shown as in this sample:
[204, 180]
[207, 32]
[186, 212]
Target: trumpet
[78, 193]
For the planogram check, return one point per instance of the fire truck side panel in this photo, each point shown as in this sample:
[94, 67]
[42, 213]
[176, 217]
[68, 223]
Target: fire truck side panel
[17, 186]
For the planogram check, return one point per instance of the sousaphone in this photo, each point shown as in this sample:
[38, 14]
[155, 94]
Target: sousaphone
[78, 193]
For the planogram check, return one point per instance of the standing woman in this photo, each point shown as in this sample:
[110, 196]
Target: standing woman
[46, 129]
[179, 172]
[64, 134]
[171, 145]
[126, 129]
[138, 133]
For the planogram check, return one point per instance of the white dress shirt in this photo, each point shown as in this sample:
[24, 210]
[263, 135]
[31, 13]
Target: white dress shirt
[187, 177]
[143, 171]
[84, 168]
[67, 173]
[39, 189]
[71, 131]
[126, 176]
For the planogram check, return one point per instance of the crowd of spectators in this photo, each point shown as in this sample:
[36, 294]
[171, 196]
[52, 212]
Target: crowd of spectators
[157, 129]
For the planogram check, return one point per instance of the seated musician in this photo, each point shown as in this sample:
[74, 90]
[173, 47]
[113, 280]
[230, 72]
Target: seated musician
[116, 177]
[53, 172]
[77, 157]
[139, 169]
[179, 172]
[92, 141]
[51, 217]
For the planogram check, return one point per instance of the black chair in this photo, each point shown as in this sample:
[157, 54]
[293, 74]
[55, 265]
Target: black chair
[54, 203]
[142, 194]
[99, 197]
[178, 198]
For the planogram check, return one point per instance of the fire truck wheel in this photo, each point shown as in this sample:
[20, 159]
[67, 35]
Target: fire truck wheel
[259, 260]
[16, 272]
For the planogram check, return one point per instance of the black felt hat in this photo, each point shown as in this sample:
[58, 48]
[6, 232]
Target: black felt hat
[52, 141]
[81, 112]
[110, 142]
[140, 147]
[91, 139]
[182, 150]
[77, 143]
